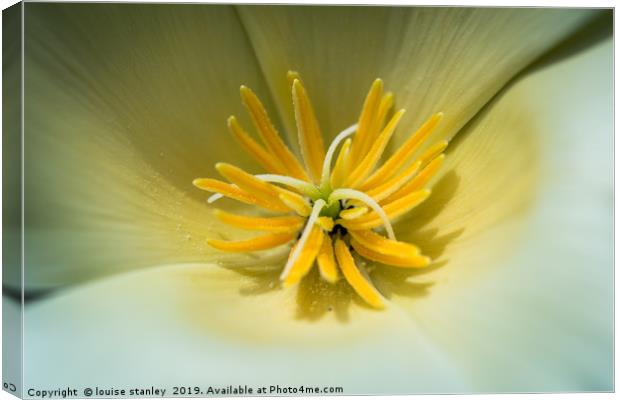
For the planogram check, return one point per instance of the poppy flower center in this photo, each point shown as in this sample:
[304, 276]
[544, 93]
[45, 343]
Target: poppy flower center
[330, 205]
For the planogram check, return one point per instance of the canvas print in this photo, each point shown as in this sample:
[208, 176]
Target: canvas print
[219, 200]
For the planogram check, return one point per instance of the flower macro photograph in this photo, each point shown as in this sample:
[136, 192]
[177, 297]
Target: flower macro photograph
[357, 199]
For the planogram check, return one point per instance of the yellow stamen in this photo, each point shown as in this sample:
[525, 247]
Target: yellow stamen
[233, 192]
[258, 243]
[271, 224]
[419, 181]
[404, 260]
[341, 166]
[360, 283]
[337, 202]
[301, 266]
[327, 162]
[382, 245]
[326, 261]
[262, 156]
[374, 154]
[296, 202]
[354, 212]
[291, 76]
[433, 151]
[308, 131]
[270, 136]
[252, 185]
[326, 223]
[384, 107]
[393, 210]
[401, 156]
[383, 191]
[404, 204]
[371, 103]
[301, 243]
[340, 194]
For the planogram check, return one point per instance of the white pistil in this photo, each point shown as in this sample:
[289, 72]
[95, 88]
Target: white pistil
[327, 162]
[304, 187]
[314, 215]
[214, 197]
[341, 194]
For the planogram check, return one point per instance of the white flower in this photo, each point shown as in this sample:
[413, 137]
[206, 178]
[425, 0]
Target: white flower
[127, 104]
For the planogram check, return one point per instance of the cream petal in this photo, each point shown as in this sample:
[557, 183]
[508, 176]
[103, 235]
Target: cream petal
[434, 59]
[125, 106]
[203, 325]
[526, 302]
[235, 325]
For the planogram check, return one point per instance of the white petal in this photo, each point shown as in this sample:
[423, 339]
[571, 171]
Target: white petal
[433, 59]
[125, 106]
[525, 304]
[204, 325]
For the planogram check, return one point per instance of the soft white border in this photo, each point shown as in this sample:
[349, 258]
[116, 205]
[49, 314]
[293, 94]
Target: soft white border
[593, 3]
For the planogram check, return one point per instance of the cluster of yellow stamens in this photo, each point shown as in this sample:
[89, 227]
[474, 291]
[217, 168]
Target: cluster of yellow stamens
[329, 210]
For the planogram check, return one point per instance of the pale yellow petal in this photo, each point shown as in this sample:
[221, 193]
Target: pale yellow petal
[126, 106]
[247, 326]
[434, 59]
[521, 291]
